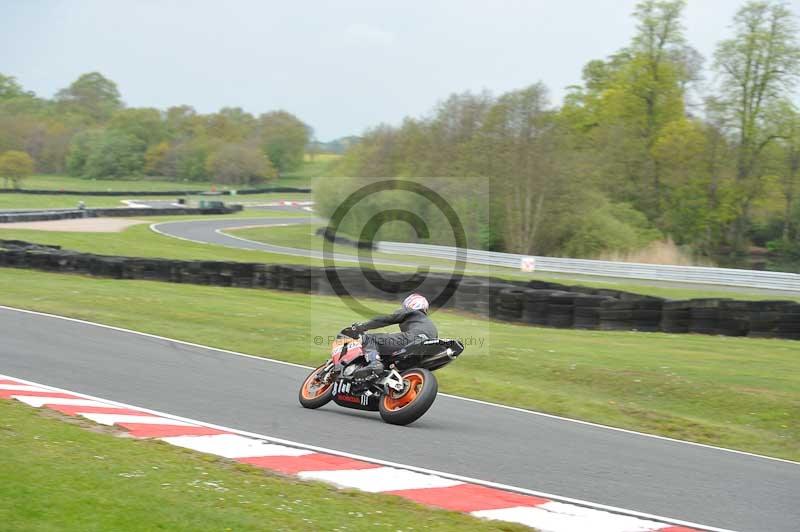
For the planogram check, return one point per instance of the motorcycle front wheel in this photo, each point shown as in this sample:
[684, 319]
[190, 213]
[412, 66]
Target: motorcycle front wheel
[313, 393]
[417, 396]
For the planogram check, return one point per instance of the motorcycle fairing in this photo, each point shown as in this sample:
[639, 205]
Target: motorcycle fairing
[343, 397]
[346, 350]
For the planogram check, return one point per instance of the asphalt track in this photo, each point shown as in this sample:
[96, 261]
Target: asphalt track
[646, 474]
[212, 232]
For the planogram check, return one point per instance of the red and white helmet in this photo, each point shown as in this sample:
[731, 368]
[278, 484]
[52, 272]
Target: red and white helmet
[416, 302]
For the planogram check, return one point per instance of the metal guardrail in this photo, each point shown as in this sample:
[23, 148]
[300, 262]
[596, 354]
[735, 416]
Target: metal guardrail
[629, 270]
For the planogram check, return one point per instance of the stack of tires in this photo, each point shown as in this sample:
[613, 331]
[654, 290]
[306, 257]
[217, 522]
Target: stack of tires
[635, 314]
[472, 295]
[765, 316]
[494, 289]
[101, 266]
[242, 274]
[305, 279]
[734, 318]
[352, 282]
[545, 285]
[586, 311]
[388, 285]
[190, 272]
[284, 277]
[560, 309]
[705, 315]
[324, 286]
[536, 305]
[676, 316]
[260, 275]
[510, 303]
[41, 259]
[788, 323]
[148, 269]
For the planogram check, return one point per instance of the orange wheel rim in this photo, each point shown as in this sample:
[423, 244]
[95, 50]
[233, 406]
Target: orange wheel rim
[397, 402]
[312, 387]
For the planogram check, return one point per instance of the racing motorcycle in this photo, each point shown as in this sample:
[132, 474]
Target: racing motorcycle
[402, 393]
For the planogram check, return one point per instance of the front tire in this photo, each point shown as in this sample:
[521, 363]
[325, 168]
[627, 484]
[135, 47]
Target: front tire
[314, 394]
[402, 408]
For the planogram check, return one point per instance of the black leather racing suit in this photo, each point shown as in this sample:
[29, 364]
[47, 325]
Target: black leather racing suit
[413, 323]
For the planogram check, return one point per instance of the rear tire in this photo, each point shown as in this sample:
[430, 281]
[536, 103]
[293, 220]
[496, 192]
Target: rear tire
[312, 396]
[397, 409]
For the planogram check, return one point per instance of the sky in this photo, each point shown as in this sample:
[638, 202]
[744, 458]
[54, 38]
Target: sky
[341, 66]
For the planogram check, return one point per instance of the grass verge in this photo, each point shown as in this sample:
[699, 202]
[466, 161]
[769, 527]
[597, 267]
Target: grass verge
[740, 393]
[61, 473]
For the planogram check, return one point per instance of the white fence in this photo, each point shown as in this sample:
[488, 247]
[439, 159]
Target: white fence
[659, 272]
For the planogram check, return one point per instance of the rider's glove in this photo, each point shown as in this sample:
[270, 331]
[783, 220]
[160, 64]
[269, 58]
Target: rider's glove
[358, 327]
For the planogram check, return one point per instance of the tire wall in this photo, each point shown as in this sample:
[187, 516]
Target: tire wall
[38, 216]
[535, 303]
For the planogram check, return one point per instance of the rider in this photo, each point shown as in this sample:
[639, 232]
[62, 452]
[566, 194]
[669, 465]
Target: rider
[414, 323]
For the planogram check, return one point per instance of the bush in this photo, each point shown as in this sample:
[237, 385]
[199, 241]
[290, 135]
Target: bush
[15, 165]
[610, 228]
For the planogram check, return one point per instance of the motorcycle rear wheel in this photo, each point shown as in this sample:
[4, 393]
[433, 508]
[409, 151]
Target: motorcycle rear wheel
[312, 393]
[402, 408]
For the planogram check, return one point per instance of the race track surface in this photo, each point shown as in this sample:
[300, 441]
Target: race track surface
[645, 474]
[211, 232]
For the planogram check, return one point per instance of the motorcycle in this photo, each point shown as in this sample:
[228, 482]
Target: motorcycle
[402, 393]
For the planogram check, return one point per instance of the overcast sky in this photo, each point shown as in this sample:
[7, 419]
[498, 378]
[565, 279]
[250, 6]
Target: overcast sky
[340, 66]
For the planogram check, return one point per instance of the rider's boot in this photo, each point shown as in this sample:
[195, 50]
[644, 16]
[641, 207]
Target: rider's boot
[375, 366]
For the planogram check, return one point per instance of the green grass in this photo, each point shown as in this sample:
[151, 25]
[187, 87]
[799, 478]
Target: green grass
[59, 473]
[736, 392]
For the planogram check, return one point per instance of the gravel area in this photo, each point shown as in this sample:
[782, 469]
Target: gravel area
[77, 225]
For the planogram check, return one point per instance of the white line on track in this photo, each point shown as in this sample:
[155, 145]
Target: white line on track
[457, 478]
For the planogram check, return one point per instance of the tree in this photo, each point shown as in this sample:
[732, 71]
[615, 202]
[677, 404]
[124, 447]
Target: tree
[230, 124]
[91, 95]
[10, 88]
[517, 143]
[114, 154]
[155, 159]
[758, 66]
[239, 165]
[146, 124]
[79, 151]
[15, 165]
[183, 122]
[786, 161]
[188, 159]
[283, 139]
